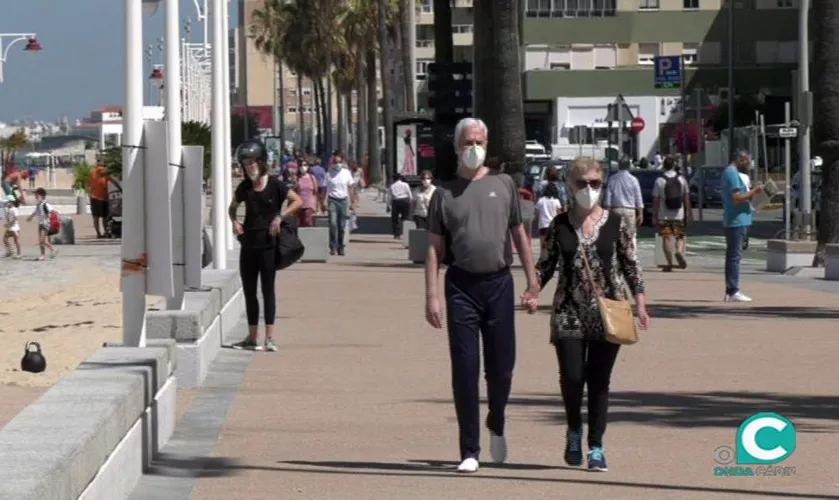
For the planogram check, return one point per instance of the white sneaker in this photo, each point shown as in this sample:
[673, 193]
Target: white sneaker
[737, 297]
[468, 466]
[497, 447]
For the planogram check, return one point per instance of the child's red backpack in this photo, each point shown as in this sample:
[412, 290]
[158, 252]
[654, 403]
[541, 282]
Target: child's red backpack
[55, 223]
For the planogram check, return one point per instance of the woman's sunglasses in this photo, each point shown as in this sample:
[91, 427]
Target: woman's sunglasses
[593, 183]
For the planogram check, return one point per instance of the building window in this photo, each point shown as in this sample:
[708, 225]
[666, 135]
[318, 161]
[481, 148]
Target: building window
[425, 44]
[461, 29]
[691, 4]
[690, 53]
[307, 91]
[422, 66]
[647, 53]
[291, 109]
[560, 65]
[427, 7]
[650, 4]
[292, 92]
[786, 4]
[570, 8]
[307, 110]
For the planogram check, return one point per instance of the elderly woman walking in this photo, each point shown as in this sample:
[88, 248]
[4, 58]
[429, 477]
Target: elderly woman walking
[593, 251]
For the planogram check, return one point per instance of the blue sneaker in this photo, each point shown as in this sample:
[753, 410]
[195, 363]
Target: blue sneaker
[573, 448]
[597, 460]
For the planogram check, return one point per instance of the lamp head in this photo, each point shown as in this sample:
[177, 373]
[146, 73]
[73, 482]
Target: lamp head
[33, 46]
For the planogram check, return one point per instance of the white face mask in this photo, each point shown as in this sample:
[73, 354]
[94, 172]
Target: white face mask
[426, 182]
[304, 169]
[473, 157]
[587, 197]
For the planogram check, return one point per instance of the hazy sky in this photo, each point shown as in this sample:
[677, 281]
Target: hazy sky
[81, 65]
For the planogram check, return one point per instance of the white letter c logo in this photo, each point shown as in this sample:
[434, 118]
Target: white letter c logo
[749, 441]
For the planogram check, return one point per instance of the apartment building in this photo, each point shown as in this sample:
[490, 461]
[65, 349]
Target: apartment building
[580, 54]
[255, 81]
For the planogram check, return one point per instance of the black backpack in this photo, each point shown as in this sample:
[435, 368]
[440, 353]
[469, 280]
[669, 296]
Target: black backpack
[673, 194]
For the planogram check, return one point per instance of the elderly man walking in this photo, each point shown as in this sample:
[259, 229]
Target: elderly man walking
[471, 221]
[623, 196]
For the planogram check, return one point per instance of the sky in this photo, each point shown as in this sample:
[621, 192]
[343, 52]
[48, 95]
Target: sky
[81, 65]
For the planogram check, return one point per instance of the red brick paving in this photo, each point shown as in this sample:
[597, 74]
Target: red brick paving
[356, 405]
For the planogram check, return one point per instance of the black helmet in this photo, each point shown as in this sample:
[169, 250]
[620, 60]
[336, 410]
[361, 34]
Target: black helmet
[252, 149]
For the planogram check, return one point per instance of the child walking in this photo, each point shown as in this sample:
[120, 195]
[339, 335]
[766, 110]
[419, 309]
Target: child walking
[42, 211]
[547, 208]
[12, 227]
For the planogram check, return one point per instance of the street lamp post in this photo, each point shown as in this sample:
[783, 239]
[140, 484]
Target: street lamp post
[32, 45]
[228, 171]
[804, 114]
[218, 136]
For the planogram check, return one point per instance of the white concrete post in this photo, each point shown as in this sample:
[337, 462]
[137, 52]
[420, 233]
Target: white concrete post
[219, 210]
[172, 92]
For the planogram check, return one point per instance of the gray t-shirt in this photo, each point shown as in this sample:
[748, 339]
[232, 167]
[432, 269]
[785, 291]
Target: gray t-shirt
[665, 213]
[478, 215]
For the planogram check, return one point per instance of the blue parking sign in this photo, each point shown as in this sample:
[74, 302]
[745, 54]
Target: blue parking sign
[668, 72]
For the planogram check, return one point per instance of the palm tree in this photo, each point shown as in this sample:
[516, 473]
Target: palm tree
[405, 27]
[387, 105]
[10, 145]
[498, 98]
[826, 126]
[264, 27]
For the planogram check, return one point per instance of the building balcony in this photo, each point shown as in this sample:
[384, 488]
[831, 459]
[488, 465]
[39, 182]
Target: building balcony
[547, 85]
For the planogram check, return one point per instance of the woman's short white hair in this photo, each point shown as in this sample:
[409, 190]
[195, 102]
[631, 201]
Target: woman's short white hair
[465, 124]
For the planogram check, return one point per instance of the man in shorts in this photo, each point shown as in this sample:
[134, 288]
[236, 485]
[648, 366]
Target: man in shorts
[671, 209]
[98, 186]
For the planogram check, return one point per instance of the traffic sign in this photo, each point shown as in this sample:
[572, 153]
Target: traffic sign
[637, 125]
[668, 72]
[619, 111]
[787, 132]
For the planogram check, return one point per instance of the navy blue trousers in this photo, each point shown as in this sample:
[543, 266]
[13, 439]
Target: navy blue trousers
[480, 308]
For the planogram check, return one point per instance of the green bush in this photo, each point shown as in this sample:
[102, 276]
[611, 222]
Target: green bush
[81, 176]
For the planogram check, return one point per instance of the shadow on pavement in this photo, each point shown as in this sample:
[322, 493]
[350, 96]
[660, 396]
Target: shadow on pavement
[174, 466]
[687, 410]
[384, 265]
[706, 409]
[397, 469]
[677, 311]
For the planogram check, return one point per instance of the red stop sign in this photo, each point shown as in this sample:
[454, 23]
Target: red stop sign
[637, 124]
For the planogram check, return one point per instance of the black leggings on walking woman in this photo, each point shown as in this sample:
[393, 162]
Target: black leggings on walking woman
[586, 362]
[257, 264]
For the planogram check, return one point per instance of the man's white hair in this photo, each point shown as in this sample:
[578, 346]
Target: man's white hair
[464, 125]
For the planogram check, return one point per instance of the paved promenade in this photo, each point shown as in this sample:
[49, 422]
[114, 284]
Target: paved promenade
[357, 402]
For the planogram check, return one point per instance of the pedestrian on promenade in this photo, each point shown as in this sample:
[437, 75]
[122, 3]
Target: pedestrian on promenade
[341, 200]
[320, 174]
[470, 222]
[737, 217]
[588, 237]
[399, 204]
[547, 208]
[422, 199]
[98, 185]
[307, 188]
[12, 233]
[671, 209]
[623, 196]
[42, 212]
[264, 196]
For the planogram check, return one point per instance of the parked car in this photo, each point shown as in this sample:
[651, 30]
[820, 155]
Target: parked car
[710, 176]
[536, 170]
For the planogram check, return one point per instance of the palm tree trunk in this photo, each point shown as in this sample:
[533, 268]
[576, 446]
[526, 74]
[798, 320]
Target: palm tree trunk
[509, 115]
[301, 118]
[325, 116]
[374, 161]
[348, 124]
[483, 67]
[339, 107]
[360, 141]
[387, 103]
[405, 27]
[281, 90]
[316, 116]
[445, 159]
[825, 15]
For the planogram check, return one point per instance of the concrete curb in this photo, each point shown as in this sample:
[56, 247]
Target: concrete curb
[199, 328]
[93, 433]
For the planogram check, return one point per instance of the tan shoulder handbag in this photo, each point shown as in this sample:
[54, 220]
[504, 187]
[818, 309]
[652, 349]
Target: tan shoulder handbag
[618, 320]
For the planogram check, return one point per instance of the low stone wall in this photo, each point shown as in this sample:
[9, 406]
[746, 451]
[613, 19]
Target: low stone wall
[831, 263]
[93, 433]
[199, 328]
[782, 255]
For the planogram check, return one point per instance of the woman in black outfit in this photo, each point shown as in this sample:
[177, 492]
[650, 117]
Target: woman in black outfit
[585, 357]
[264, 196]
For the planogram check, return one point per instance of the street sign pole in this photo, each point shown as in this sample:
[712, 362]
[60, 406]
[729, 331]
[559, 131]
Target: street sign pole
[684, 114]
[787, 169]
[620, 133]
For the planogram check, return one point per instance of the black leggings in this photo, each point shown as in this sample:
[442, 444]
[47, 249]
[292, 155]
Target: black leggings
[258, 264]
[586, 362]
